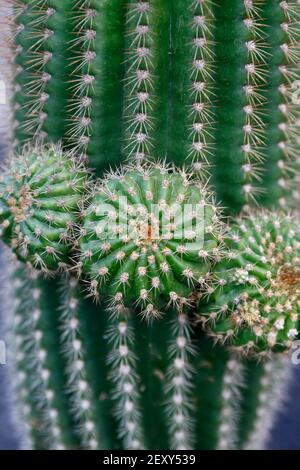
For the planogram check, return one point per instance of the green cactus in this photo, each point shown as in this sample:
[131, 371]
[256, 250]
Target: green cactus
[255, 305]
[204, 84]
[149, 234]
[40, 195]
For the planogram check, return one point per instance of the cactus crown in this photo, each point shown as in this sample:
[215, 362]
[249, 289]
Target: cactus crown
[149, 234]
[39, 195]
[255, 306]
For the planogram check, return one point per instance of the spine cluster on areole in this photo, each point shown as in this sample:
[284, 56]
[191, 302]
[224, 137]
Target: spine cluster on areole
[139, 81]
[201, 115]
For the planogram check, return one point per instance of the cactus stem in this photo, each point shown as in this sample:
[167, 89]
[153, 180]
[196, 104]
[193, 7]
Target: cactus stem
[178, 388]
[139, 81]
[274, 381]
[39, 375]
[96, 103]
[125, 379]
[77, 386]
[12, 324]
[280, 179]
[231, 398]
[201, 115]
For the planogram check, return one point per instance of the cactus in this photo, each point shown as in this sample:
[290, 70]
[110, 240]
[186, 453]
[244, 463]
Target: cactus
[255, 303]
[149, 233]
[206, 85]
[39, 200]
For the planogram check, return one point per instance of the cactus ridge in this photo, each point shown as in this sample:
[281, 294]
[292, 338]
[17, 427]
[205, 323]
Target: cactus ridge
[231, 399]
[255, 305]
[139, 81]
[96, 72]
[272, 394]
[201, 91]
[280, 181]
[40, 195]
[78, 388]
[126, 250]
[41, 71]
[122, 360]
[179, 386]
[33, 370]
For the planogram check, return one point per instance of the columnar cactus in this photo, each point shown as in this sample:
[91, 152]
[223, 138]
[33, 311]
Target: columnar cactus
[206, 85]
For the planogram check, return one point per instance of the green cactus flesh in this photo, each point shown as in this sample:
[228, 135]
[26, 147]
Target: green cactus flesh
[40, 193]
[255, 305]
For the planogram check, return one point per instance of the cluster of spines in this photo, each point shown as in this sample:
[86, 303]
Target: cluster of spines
[139, 81]
[72, 349]
[32, 360]
[125, 379]
[232, 382]
[201, 114]
[272, 395]
[179, 385]
[288, 163]
[253, 90]
[83, 78]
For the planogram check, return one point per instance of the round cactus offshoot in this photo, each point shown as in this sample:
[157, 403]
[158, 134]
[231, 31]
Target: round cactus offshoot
[256, 303]
[149, 238]
[40, 192]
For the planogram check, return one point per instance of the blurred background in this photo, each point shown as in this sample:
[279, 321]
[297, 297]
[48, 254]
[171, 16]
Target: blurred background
[286, 431]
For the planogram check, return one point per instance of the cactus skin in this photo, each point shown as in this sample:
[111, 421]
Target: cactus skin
[136, 258]
[40, 194]
[254, 307]
[194, 116]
